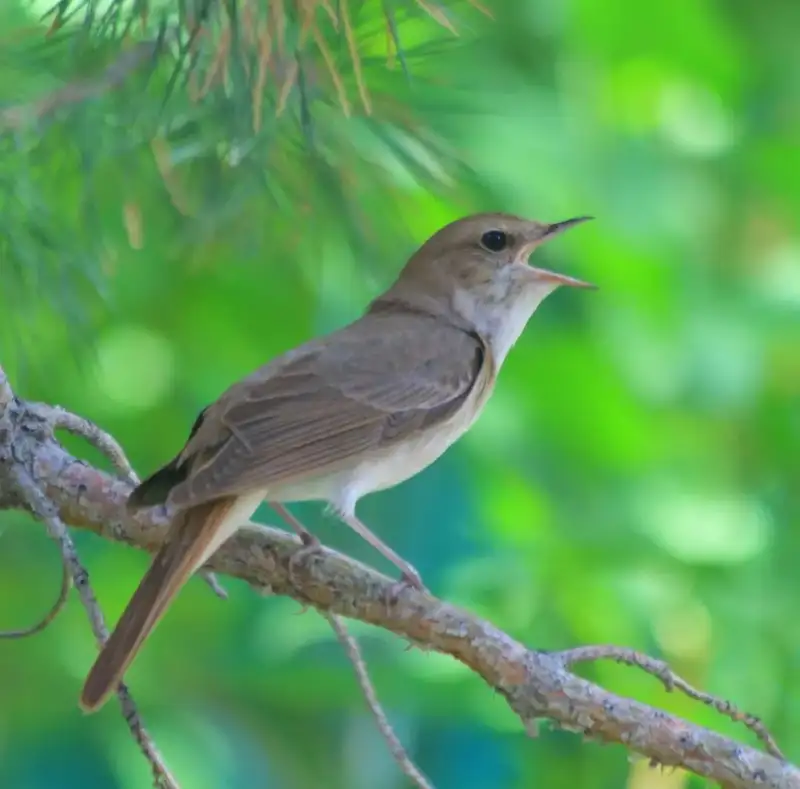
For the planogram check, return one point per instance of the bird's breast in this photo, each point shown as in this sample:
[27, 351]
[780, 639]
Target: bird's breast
[389, 465]
[392, 465]
[404, 460]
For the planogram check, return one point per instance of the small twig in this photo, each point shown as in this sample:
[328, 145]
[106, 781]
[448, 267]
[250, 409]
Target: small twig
[395, 746]
[44, 510]
[671, 681]
[55, 609]
[61, 419]
[27, 490]
[354, 655]
[213, 582]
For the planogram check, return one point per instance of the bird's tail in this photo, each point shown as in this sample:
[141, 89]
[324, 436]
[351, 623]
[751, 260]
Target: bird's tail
[194, 536]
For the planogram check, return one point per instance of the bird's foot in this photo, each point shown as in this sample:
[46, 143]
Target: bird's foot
[410, 579]
[311, 546]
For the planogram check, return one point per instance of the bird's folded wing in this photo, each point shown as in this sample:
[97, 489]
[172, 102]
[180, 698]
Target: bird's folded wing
[372, 384]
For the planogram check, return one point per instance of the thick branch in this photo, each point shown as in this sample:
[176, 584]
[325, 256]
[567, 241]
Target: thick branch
[535, 684]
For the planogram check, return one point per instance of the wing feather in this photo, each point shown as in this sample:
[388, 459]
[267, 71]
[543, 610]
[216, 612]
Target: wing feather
[324, 405]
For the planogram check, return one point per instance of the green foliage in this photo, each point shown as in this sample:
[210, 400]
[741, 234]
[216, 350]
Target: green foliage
[633, 478]
[229, 113]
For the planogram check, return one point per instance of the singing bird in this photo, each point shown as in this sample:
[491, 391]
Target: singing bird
[356, 411]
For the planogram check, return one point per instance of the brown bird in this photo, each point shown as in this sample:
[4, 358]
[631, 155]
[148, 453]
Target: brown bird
[359, 410]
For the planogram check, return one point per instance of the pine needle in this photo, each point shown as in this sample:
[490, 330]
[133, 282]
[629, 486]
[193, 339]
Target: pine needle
[438, 15]
[355, 58]
[335, 76]
[264, 56]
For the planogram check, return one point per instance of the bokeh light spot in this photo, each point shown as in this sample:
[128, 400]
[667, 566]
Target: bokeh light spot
[134, 368]
[697, 528]
[685, 632]
[695, 121]
[778, 280]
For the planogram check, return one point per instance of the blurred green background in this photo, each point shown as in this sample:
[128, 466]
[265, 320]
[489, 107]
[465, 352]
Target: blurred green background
[633, 479]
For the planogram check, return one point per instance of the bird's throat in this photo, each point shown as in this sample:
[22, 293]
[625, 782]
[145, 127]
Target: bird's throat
[498, 317]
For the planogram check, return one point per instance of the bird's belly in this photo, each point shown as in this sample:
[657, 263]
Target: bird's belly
[378, 470]
[404, 461]
[391, 466]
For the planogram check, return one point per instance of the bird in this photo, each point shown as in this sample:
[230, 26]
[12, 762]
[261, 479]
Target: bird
[355, 411]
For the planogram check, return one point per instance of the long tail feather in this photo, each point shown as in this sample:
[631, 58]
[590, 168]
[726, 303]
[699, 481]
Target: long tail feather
[194, 536]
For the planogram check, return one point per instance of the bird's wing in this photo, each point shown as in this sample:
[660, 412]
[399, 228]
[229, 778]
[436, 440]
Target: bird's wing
[374, 383]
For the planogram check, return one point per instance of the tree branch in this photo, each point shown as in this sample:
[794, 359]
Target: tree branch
[22, 428]
[396, 748]
[536, 685]
[60, 419]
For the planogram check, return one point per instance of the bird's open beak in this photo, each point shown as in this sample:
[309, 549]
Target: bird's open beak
[559, 227]
[543, 275]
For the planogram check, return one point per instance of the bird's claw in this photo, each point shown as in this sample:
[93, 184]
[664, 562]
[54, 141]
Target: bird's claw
[311, 545]
[410, 579]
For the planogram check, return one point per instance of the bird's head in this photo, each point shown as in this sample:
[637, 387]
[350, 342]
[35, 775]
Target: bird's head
[478, 267]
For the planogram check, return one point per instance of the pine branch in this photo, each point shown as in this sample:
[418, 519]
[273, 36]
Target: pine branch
[240, 104]
[537, 685]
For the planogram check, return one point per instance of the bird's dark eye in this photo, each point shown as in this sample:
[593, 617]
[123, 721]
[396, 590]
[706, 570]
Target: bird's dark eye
[494, 240]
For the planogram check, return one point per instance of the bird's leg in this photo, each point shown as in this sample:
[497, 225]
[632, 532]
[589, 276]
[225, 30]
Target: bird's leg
[410, 575]
[306, 537]
[311, 543]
